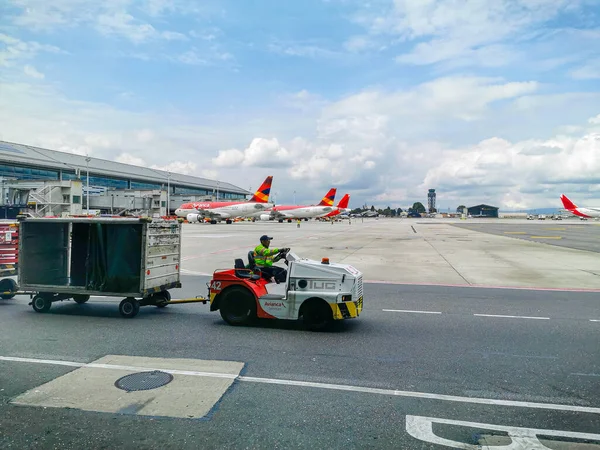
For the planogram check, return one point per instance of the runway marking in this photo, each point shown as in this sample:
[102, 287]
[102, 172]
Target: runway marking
[586, 374]
[546, 237]
[408, 311]
[521, 438]
[555, 229]
[594, 320]
[515, 232]
[512, 317]
[327, 386]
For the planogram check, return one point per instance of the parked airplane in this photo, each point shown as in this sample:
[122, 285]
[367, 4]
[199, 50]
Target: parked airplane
[341, 208]
[290, 212]
[217, 211]
[584, 213]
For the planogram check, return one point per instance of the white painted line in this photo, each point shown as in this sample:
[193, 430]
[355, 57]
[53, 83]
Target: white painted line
[408, 311]
[594, 320]
[512, 317]
[118, 367]
[586, 374]
[328, 386]
[521, 438]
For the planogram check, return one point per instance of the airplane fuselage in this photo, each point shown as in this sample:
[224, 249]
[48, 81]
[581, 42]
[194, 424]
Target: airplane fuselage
[300, 212]
[222, 210]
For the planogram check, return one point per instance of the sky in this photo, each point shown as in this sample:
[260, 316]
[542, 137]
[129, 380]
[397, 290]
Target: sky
[493, 102]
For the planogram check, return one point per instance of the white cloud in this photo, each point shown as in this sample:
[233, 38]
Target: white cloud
[32, 72]
[184, 167]
[17, 50]
[109, 17]
[127, 158]
[125, 25]
[515, 174]
[229, 158]
[464, 32]
[589, 71]
[261, 152]
[304, 50]
[595, 120]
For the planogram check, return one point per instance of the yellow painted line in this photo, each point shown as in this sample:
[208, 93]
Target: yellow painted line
[515, 232]
[546, 237]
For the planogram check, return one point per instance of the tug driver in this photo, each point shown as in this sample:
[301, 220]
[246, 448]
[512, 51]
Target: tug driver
[264, 257]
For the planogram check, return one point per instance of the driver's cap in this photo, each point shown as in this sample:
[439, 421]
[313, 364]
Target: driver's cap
[264, 237]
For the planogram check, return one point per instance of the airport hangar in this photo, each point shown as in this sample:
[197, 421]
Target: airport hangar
[46, 182]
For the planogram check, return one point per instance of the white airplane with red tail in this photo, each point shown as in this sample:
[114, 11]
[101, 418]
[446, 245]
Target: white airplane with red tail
[342, 207]
[290, 212]
[584, 213]
[217, 211]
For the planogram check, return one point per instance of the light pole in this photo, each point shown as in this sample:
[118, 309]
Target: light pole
[294, 197]
[87, 197]
[217, 191]
[168, 193]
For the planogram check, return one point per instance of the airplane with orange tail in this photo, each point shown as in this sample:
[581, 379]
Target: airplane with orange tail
[584, 213]
[217, 211]
[342, 207]
[290, 212]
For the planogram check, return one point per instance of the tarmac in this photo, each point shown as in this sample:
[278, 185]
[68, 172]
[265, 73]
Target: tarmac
[432, 251]
[467, 339]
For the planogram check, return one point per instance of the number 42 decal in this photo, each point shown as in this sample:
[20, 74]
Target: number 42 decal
[216, 286]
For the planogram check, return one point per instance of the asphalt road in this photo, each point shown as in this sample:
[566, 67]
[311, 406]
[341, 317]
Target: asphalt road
[580, 236]
[409, 340]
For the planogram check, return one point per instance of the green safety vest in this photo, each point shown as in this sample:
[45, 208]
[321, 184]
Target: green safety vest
[263, 256]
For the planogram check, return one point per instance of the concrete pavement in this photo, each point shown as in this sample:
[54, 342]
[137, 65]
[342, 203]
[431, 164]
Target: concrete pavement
[404, 251]
[464, 348]
[424, 366]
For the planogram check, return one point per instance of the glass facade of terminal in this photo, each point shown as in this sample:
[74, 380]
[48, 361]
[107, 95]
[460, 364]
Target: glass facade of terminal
[31, 173]
[27, 173]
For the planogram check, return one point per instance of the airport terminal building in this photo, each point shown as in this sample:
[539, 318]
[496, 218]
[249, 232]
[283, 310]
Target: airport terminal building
[57, 182]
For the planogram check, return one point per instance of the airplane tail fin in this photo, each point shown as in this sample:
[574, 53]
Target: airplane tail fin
[329, 198]
[262, 193]
[344, 201]
[567, 203]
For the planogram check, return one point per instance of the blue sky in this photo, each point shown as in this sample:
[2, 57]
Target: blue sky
[494, 102]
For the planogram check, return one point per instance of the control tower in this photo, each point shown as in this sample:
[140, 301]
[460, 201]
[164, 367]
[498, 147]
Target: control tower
[431, 201]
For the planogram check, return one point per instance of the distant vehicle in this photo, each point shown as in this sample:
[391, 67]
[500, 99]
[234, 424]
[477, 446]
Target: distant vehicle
[556, 217]
[582, 212]
[217, 211]
[541, 217]
[530, 217]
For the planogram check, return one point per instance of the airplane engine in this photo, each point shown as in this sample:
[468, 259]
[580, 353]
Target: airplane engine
[191, 218]
[265, 217]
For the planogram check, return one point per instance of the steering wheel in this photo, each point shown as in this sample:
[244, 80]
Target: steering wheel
[282, 253]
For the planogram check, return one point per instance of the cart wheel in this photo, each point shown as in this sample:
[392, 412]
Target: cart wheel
[80, 299]
[162, 298]
[8, 285]
[238, 306]
[129, 307]
[41, 303]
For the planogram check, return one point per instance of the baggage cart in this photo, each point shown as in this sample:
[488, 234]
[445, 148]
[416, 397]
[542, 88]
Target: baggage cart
[74, 258]
[9, 252]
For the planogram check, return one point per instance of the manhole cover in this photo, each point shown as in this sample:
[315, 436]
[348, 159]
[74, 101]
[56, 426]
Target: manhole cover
[144, 381]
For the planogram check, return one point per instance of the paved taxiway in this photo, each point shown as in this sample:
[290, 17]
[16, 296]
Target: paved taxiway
[570, 234]
[472, 357]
